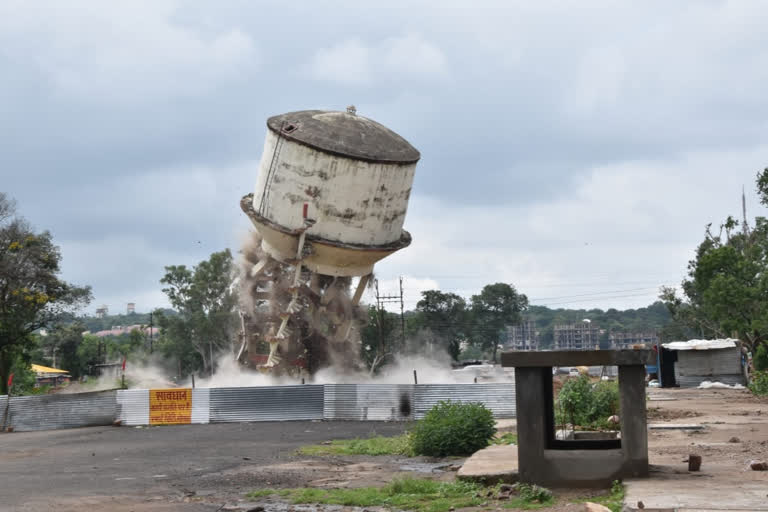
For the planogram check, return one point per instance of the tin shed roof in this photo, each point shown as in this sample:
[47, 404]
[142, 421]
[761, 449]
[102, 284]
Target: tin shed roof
[37, 368]
[701, 344]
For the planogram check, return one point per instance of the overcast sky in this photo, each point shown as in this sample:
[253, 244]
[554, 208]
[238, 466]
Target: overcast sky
[574, 149]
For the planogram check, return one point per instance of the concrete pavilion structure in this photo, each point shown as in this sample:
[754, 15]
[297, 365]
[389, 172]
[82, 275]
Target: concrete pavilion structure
[545, 460]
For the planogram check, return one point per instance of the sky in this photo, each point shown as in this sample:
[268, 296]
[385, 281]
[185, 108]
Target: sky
[576, 150]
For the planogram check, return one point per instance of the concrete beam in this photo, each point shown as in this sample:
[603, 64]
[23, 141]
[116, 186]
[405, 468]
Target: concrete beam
[529, 359]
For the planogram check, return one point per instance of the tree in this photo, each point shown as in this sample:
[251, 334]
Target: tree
[205, 300]
[380, 338]
[32, 295]
[726, 292]
[64, 343]
[762, 186]
[446, 315]
[496, 307]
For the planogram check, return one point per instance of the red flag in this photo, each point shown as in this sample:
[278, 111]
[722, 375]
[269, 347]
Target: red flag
[10, 380]
[124, 357]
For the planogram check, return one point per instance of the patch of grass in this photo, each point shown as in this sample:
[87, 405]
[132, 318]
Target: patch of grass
[519, 503]
[263, 493]
[531, 497]
[614, 500]
[508, 438]
[379, 445]
[404, 494]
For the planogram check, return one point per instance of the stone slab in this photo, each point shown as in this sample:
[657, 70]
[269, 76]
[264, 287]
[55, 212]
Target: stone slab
[675, 426]
[521, 359]
[492, 465]
[677, 492]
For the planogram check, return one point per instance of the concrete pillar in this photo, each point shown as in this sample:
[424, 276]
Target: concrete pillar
[532, 433]
[634, 433]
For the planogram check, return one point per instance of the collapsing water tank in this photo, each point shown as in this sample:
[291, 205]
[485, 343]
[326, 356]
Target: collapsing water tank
[332, 191]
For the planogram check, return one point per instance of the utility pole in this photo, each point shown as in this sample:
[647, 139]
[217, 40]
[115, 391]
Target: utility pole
[402, 315]
[151, 325]
[744, 226]
[391, 299]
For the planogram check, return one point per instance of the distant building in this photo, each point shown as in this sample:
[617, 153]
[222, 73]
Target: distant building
[102, 311]
[579, 336]
[46, 376]
[621, 340]
[131, 308]
[523, 336]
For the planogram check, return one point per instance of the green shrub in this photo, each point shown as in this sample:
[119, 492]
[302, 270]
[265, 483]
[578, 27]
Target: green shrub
[761, 358]
[759, 384]
[585, 404]
[452, 428]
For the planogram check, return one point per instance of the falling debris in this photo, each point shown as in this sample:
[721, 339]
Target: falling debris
[300, 324]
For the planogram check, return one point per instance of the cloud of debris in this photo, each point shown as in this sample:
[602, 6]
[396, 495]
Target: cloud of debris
[295, 320]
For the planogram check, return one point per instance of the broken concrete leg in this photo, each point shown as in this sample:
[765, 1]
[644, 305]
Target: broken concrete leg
[694, 462]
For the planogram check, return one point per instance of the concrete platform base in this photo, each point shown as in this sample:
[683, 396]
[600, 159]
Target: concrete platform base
[492, 465]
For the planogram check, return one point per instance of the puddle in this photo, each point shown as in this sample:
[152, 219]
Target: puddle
[426, 467]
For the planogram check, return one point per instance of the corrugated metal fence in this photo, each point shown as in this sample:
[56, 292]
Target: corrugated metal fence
[268, 403]
[49, 412]
[383, 402]
[721, 365]
[499, 398]
[358, 402]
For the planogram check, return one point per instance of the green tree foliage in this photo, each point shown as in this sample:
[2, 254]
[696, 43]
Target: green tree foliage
[759, 383]
[31, 294]
[726, 291]
[762, 186]
[23, 377]
[453, 428]
[91, 351]
[761, 358]
[586, 404]
[655, 317]
[493, 309]
[447, 317]
[63, 342]
[205, 300]
[381, 339]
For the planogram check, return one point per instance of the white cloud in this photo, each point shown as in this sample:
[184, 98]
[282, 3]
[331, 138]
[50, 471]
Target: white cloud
[411, 55]
[610, 241]
[351, 62]
[412, 288]
[122, 51]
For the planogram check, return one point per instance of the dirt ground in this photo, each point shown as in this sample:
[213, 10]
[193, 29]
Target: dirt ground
[211, 467]
[734, 431]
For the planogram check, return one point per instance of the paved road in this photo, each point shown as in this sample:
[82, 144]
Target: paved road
[108, 468]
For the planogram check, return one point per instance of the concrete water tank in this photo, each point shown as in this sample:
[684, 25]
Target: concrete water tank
[343, 178]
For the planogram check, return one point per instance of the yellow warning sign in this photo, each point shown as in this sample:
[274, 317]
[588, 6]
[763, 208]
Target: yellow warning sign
[170, 406]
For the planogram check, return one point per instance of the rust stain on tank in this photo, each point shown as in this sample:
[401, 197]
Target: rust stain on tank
[346, 216]
[295, 198]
